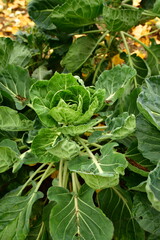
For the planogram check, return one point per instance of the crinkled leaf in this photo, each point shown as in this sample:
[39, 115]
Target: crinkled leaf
[10, 120]
[44, 141]
[114, 82]
[76, 217]
[65, 114]
[100, 171]
[148, 101]
[117, 205]
[65, 15]
[12, 52]
[153, 187]
[15, 81]
[78, 53]
[118, 19]
[148, 140]
[118, 128]
[42, 92]
[65, 149]
[146, 216]
[15, 212]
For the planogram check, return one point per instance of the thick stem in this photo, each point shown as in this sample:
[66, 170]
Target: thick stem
[129, 55]
[90, 155]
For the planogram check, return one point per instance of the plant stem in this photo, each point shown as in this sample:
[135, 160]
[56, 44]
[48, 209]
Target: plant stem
[97, 69]
[75, 183]
[143, 45]
[92, 144]
[43, 176]
[61, 173]
[91, 155]
[129, 55]
[100, 128]
[65, 174]
[31, 177]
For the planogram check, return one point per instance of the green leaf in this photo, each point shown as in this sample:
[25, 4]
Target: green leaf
[137, 163]
[66, 15]
[42, 92]
[15, 214]
[10, 120]
[146, 216]
[7, 158]
[11, 144]
[118, 19]
[12, 52]
[114, 81]
[153, 58]
[153, 187]
[41, 144]
[156, 7]
[130, 102]
[41, 73]
[148, 140]
[117, 205]
[76, 217]
[141, 67]
[100, 171]
[80, 129]
[148, 101]
[65, 149]
[118, 128]
[78, 53]
[15, 81]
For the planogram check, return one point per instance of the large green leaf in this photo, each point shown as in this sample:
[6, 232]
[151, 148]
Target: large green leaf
[78, 53]
[148, 140]
[117, 205]
[147, 217]
[15, 81]
[15, 212]
[100, 171]
[10, 120]
[12, 52]
[66, 15]
[153, 187]
[148, 101]
[76, 217]
[114, 81]
[120, 19]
